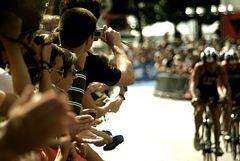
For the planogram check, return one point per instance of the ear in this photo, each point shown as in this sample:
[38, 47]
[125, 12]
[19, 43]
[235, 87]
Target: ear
[88, 42]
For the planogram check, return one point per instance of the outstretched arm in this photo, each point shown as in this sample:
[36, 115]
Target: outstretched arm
[113, 39]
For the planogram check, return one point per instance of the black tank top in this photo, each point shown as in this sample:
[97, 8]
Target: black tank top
[234, 79]
[207, 84]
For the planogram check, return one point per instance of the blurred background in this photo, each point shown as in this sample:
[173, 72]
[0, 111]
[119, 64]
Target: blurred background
[165, 37]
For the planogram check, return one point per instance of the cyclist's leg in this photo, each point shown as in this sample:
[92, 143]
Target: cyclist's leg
[216, 112]
[198, 119]
[227, 119]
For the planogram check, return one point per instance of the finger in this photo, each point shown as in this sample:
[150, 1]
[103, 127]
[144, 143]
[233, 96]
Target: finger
[63, 140]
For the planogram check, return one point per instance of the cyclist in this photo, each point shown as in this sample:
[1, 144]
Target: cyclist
[205, 76]
[232, 65]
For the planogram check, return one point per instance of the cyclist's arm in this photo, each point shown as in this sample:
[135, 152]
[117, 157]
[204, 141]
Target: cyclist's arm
[224, 81]
[194, 80]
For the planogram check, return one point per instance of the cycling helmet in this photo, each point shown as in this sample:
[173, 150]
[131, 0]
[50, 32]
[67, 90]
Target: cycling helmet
[231, 56]
[209, 55]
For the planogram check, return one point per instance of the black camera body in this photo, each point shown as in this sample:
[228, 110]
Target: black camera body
[39, 40]
[98, 33]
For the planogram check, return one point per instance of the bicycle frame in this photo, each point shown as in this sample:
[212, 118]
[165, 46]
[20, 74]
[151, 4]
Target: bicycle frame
[234, 131]
[206, 142]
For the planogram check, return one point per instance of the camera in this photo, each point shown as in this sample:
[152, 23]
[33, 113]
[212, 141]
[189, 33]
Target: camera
[98, 33]
[40, 37]
[39, 40]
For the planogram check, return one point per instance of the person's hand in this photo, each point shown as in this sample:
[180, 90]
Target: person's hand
[43, 51]
[9, 32]
[37, 120]
[87, 136]
[195, 101]
[111, 36]
[10, 25]
[106, 138]
[84, 122]
[101, 101]
[79, 148]
[115, 104]
[97, 87]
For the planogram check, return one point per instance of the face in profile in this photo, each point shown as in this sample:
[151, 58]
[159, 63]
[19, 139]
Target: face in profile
[56, 70]
[67, 81]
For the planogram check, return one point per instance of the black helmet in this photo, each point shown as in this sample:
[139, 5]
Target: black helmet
[209, 55]
[231, 56]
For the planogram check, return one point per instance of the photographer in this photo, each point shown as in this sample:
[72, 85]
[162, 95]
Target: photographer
[96, 69]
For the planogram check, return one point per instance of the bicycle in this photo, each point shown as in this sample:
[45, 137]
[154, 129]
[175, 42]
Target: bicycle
[234, 132]
[208, 149]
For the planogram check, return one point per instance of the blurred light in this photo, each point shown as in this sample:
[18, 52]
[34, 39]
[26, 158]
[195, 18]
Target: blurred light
[132, 21]
[189, 11]
[141, 5]
[230, 8]
[222, 8]
[214, 9]
[200, 11]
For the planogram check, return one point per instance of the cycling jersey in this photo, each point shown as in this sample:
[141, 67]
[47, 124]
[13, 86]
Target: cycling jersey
[234, 79]
[207, 85]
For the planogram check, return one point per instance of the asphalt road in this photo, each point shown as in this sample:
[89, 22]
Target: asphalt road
[154, 128]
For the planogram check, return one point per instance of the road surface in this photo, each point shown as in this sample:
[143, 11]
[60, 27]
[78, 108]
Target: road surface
[154, 128]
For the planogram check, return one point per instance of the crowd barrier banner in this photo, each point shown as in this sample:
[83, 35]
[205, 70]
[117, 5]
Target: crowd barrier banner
[145, 71]
[171, 85]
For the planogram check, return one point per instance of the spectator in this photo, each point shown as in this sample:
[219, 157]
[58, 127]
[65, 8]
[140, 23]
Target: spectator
[76, 30]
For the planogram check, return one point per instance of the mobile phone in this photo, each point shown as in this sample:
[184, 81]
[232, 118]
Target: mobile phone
[106, 100]
[97, 95]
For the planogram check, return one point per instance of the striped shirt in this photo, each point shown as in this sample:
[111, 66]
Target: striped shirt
[76, 91]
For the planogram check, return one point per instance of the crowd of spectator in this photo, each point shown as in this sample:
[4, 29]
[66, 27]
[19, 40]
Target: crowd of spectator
[49, 78]
[178, 56]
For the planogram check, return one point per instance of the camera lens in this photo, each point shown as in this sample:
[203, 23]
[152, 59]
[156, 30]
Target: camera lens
[97, 33]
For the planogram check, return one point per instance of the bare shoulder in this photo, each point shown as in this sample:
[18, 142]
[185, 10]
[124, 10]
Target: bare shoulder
[198, 66]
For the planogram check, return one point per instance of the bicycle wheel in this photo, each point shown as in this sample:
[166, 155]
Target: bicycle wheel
[228, 143]
[208, 157]
[234, 140]
[208, 154]
[237, 142]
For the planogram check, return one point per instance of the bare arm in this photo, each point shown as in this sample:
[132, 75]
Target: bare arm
[18, 68]
[224, 81]
[6, 100]
[113, 39]
[194, 80]
[89, 102]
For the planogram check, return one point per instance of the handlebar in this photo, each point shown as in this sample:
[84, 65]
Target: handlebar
[210, 101]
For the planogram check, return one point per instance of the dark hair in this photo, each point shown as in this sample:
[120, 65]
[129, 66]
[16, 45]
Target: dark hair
[69, 59]
[93, 6]
[56, 51]
[76, 25]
